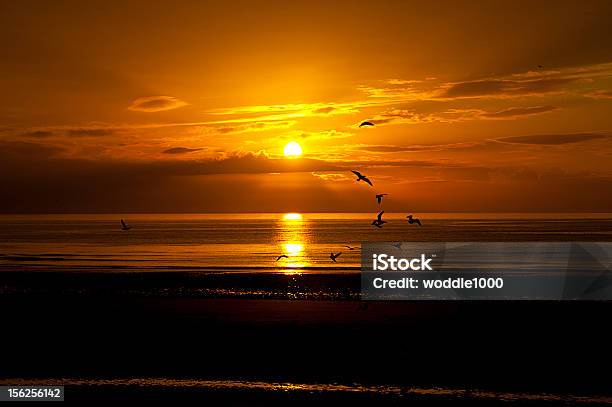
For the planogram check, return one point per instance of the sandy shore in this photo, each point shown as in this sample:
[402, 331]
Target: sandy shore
[514, 347]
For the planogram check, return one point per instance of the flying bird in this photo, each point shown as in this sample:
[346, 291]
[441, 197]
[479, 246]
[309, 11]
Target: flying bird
[125, 226]
[361, 177]
[378, 222]
[366, 124]
[412, 220]
[350, 247]
[379, 197]
[397, 245]
[540, 67]
[333, 256]
[282, 256]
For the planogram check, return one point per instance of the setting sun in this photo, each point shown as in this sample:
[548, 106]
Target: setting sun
[292, 149]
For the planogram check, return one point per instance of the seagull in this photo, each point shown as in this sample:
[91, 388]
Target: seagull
[350, 247]
[397, 245]
[379, 197]
[412, 220]
[333, 256]
[125, 226]
[282, 256]
[379, 222]
[366, 124]
[361, 177]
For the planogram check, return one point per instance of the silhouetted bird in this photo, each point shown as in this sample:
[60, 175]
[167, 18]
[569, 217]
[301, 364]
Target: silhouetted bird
[125, 226]
[333, 256]
[350, 247]
[361, 177]
[282, 256]
[379, 222]
[366, 124]
[379, 197]
[412, 220]
[397, 245]
[540, 67]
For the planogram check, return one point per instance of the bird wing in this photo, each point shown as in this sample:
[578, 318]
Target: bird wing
[280, 257]
[378, 198]
[418, 222]
[366, 124]
[123, 223]
[338, 255]
[357, 173]
[380, 216]
[368, 181]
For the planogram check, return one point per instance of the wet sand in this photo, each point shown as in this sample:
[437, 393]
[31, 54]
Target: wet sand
[535, 348]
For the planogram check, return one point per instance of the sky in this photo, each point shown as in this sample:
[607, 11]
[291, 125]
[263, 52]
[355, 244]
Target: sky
[186, 106]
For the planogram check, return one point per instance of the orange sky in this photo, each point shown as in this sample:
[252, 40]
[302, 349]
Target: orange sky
[186, 106]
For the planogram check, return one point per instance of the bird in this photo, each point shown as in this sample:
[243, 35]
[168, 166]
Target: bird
[379, 197]
[379, 222]
[366, 123]
[412, 220]
[397, 245]
[333, 256]
[282, 256]
[540, 67]
[125, 226]
[350, 247]
[361, 177]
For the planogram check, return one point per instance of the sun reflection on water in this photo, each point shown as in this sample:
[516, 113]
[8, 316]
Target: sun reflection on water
[292, 239]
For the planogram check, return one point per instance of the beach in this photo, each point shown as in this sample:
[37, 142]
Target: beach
[268, 334]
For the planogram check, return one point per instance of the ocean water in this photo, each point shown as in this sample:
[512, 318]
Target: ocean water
[252, 242]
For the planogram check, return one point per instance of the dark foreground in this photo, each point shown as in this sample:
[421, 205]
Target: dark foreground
[271, 351]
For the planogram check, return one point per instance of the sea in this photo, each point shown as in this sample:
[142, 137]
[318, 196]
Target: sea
[253, 242]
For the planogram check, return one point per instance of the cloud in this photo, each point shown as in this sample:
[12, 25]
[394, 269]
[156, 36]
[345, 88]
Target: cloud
[254, 126]
[600, 94]
[90, 132]
[387, 148]
[530, 83]
[38, 134]
[504, 87]
[552, 139]
[518, 111]
[152, 104]
[180, 150]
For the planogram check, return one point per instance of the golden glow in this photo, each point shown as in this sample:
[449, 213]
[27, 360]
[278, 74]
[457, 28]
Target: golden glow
[293, 249]
[292, 240]
[292, 149]
[292, 216]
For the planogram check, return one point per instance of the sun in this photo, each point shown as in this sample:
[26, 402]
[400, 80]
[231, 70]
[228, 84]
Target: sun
[292, 149]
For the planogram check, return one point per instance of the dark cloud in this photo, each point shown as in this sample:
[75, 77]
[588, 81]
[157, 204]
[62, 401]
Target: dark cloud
[552, 139]
[387, 148]
[180, 150]
[324, 110]
[38, 134]
[90, 132]
[21, 151]
[600, 94]
[518, 111]
[152, 104]
[505, 87]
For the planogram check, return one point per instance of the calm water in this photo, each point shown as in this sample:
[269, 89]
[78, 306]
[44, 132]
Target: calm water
[251, 242]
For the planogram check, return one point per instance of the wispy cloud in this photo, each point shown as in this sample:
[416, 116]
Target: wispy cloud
[151, 104]
[181, 150]
[552, 139]
[90, 132]
[518, 112]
